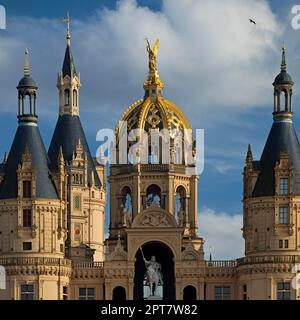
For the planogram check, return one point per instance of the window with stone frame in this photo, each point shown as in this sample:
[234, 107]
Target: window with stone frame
[77, 201]
[86, 293]
[27, 292]
[284, 290]
[284, 215]
[222, 293]
[26, 189]
[283, 186]
[27, 218]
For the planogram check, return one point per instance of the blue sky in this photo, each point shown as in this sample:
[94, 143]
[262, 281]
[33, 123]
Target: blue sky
[216, 65]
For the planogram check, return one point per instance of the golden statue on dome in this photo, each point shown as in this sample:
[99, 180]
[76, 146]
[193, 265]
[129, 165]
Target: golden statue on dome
[152, 55]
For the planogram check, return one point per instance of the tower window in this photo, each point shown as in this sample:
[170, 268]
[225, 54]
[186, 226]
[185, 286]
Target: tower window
[75, 98]
[27, 218]
[283, 186]
[180, 205]
[77, 202]
[283, 215]
[283, 291]
[27, 291]
[26, 189]
[67, 97]
[153, 195]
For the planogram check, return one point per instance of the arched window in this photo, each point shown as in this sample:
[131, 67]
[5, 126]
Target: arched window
[283, 100]
[189, 293]
[153, 195]
[119, 294]
[180, 205]
[67, 97]
[75, 98]
[126, 200]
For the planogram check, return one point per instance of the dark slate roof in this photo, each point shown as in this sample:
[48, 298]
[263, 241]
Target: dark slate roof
[66, 134]
[256, 165]
[68, 65]
[27, 82]
[281, 137]
[28, 136]
[283, 78]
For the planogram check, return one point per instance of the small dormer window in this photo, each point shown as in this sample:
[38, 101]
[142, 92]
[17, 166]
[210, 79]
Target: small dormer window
[284, 186]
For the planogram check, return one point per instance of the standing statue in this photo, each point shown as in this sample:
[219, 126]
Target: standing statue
[153, 275]
[152, 55]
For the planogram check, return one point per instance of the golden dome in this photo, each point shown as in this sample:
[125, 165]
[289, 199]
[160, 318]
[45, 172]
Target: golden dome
[154, 111]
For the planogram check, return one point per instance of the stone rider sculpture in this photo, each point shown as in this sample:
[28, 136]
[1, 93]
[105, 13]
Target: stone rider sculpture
[153, 274]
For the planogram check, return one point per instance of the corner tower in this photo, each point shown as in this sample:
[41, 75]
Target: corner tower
[272, 184]
[85, 178]
[33, 221]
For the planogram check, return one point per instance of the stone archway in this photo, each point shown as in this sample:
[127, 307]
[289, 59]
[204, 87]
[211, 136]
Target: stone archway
[119, 294]
[189, 293]
[165, 257]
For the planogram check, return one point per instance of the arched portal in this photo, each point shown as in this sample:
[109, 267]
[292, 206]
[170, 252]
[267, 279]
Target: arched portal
[119, 294]
[189, 293]
[164, 256]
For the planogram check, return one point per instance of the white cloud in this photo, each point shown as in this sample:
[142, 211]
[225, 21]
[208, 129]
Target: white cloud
[210, 55]
[222, 234]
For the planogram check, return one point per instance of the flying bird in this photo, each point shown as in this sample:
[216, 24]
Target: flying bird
[252, 21]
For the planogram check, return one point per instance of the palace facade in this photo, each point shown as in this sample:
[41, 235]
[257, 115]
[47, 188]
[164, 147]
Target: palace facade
[52, 206]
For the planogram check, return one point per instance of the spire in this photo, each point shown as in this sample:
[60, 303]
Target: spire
[249, 157]
[68, 65]
[26, 66]
[283, 63]
[153, 84]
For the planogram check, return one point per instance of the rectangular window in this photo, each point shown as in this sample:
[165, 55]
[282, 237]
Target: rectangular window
[26, 189]
[27, 291]
[286, 243]
[283, 291]
[283, 215]
[65, 293]
[280, 244]
[27, 246]
[222, 293]
[284, 186]
[86, 293]
[27, 218]
[244, 292]
[77, 202]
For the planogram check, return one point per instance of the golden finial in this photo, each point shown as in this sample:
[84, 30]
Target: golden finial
[67, 21]
[153, 77]
[152, 55]
[27, 67]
